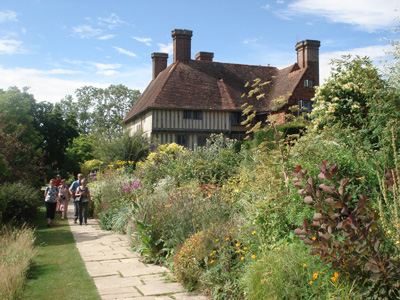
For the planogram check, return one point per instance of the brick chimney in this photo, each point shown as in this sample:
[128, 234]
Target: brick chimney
[207, 56]
[160, 61]
[308, 56]
[182, 44]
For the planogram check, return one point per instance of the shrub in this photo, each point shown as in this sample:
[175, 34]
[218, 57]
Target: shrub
[189, 261]
[19, 202]
[16, 252]
[346, 235]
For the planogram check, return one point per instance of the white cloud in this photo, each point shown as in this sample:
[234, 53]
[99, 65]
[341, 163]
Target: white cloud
[112, 21]
[8, 15]
[106, 37]
[376, 53]
[123, 51]
[251, 41]
[107, 72]
[367, 15]
[146, 41]
[169, 48]
[86, 31]
[46, 87]
[266, 6]
[11, 47]
[101, 66]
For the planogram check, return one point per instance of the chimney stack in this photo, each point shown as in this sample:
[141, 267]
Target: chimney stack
[160, 61]
[182, 44]
[308, 56]
[207, 56]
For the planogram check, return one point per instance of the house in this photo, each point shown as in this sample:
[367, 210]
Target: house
[190, 99]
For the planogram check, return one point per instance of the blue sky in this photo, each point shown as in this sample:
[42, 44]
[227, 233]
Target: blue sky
[55, 46]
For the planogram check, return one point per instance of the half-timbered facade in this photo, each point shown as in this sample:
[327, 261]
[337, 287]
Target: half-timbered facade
[189, 100]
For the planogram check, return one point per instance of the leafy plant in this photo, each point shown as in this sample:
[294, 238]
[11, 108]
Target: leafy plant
[345, 234]
[19, 202]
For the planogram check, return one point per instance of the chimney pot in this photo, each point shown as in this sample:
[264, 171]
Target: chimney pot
[207, 56]
[182, 44]
[160, 61]
[308, 56]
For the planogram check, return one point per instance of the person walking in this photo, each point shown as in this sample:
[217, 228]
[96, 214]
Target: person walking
[72, 190]
[51, 197]
[63, 198]
[83, 193]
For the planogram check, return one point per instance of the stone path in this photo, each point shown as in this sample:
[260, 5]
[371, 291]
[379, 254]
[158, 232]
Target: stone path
[118, 272]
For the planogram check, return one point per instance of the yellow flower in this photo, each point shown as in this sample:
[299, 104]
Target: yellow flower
[333, 279]
[254, 232]
[336, 274]
[310, 282]
[245, 248]
[313, 238]
[211, 261]
[222, 247]
[242, 258]
[237, 245]
[214, 251]
[217, 240]
[227, 239]
[304, 265]
[253, 256]
[315, 276]
[211, 254]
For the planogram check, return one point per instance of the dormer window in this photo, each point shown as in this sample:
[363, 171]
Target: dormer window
[308, 83]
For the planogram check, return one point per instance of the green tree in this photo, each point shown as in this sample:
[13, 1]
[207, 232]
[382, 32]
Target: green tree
[80, 150]
[356, 99]
[100, 111]
[57, 134]
[17, 109]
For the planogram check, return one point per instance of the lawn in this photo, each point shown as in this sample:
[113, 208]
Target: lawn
[58, 271]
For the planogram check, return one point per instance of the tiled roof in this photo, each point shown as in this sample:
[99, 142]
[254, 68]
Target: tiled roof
[207, 85]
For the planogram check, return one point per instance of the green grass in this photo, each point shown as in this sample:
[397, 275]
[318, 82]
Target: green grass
[58, 271]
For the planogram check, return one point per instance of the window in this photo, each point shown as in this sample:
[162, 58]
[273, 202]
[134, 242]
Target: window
[305, 106]
[187, 114]
[182, 139]
[308, 83]
[193, 114]
[237, 118]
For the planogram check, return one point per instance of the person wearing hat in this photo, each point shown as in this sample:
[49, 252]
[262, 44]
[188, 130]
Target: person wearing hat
[58, 180]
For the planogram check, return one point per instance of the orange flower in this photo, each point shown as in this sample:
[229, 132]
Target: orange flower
[304, 265]
[253, 256]
[242, 258]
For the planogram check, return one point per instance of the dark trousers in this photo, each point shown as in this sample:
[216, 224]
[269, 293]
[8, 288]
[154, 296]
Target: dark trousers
[50, 210]
[83, 206]
[76, 210]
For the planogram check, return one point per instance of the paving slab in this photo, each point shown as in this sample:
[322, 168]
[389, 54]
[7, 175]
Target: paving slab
[118, 272]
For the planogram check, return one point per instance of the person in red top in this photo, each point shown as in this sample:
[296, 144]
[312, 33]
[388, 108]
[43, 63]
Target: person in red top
[58, 180]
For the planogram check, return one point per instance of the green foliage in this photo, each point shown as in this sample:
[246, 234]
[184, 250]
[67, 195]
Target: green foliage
[124, 148]
[81, 149]
[288, 272]
[100, 111]
[56, 132]
[159, 163]
[19, 202]
[389, 204]
[347, 237]
[90, 166]
[356, 97]
[18, 160]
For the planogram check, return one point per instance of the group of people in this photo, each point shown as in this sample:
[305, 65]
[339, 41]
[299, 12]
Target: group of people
[57, 196]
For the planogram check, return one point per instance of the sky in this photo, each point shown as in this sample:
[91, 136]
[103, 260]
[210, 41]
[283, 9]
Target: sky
[57, 46]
